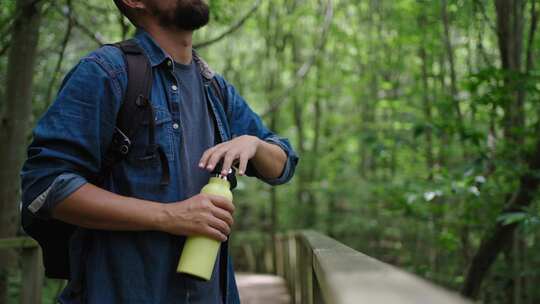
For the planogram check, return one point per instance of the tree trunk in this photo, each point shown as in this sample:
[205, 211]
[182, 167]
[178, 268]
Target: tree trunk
[510, 34]
[428, 116]
[451, 61]
[273, 50]
[301, 175]
[444, 137]
[313, 170]
[501, 235]
[15, 120]
[369, 158]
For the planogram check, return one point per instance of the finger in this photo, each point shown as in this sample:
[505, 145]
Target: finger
[243, 164]
[215, 158]
[223, 215]
[219, 225]
[221, 202]
[214, 234]
[228, 161]
[206, 155]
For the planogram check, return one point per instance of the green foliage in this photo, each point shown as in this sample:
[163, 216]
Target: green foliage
[387, 165]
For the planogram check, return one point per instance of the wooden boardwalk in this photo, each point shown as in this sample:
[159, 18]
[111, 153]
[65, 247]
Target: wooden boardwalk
[262, 289]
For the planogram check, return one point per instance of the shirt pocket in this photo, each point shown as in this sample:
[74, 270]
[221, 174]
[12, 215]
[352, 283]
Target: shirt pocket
[141, 145]
[143, 168]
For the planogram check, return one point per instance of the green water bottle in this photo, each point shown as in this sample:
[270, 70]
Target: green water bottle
[200, 252]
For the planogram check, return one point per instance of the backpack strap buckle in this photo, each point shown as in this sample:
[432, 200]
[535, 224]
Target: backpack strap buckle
[141, 101]
[121, 142]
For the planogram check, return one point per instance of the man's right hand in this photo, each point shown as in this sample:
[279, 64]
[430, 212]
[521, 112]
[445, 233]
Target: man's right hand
[202, 214]
[94, 208]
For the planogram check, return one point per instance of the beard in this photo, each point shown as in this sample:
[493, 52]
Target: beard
[188, 15]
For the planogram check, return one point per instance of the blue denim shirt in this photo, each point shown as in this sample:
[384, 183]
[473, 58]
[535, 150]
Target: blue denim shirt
[69, 143]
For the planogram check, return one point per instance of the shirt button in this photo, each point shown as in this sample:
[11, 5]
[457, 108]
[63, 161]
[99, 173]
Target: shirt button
[175, 126]
[174, 87]
[169, 63]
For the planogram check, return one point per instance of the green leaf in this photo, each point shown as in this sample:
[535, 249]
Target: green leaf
[512, 218]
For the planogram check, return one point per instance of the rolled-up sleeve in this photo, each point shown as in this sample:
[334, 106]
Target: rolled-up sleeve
[71, 138]
[246, 122]
[290, 164]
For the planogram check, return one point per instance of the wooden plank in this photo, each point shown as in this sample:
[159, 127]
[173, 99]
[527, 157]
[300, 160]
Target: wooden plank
[293, 256]
[280, 264]
[318, 298]
[18, 242]
[32, 276]
[348, 276]
[305, 270]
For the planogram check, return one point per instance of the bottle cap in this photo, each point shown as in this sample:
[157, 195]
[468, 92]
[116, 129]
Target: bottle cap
[224, 176]
[217, 170]
[229, 177]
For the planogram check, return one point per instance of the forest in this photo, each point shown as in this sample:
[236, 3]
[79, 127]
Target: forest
[417, 124]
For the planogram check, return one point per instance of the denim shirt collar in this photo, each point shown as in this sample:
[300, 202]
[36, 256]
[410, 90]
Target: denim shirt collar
[157, 55]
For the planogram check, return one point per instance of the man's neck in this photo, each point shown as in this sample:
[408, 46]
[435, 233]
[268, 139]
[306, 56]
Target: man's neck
[177, 43]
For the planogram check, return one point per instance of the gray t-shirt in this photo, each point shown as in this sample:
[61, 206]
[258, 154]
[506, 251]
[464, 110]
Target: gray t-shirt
[197, 136]
[197, 126]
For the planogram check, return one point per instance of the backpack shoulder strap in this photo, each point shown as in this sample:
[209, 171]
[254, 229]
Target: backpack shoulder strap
[136, 108]
[137, 96]
[217, 89]
[209, 75]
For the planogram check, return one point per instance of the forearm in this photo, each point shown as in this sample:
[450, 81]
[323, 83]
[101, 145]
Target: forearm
[269, 160]
[95, 208]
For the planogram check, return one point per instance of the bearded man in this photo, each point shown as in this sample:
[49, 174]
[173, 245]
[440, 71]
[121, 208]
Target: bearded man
[130, 228]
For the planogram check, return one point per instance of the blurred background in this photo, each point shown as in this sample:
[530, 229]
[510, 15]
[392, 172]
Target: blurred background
[416, 123]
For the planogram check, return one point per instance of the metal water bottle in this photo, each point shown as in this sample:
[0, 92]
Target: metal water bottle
[199, 254]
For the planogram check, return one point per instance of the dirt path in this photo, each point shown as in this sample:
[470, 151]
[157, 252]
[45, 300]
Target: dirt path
[262, 289]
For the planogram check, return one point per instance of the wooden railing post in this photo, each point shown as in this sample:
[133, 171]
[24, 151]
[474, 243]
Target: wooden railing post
[32, 276]
[293, 256]
[316, 294]
[305, 269]
[32, 270]
[285, 257]
[279, 256]
[269, 256]
[286, 263]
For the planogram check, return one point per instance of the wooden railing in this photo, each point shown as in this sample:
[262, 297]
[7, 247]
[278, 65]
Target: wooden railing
[32, 269]
[319, 269]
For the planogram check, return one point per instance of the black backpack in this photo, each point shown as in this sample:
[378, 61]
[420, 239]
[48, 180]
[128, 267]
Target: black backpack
[52, 235]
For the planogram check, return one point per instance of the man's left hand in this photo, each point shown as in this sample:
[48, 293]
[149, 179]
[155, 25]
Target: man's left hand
[238, 150]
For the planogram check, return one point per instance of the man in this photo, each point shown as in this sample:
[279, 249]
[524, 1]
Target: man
[132, 229]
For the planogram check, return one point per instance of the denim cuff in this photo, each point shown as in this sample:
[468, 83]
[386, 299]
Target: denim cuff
[290, 163]
[62, 186]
